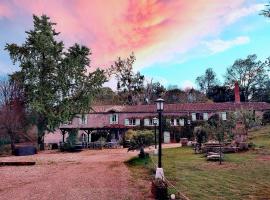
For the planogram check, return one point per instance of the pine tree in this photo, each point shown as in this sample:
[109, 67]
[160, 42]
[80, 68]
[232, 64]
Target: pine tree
[54, 79]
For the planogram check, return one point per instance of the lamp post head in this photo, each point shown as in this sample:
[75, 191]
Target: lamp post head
[160, 104]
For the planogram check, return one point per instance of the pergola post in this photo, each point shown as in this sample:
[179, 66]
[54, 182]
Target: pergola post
[63, 133]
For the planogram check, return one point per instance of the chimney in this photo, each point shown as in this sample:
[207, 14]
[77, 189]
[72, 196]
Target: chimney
[236, 93]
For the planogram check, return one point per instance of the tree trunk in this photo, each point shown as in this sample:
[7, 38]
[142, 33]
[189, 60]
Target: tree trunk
[12, 142]
[41, 143]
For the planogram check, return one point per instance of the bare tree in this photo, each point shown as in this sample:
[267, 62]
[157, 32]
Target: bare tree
[12, 113]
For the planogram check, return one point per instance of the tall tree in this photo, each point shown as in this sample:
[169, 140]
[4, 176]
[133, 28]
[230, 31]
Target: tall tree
[129, 84]
[207, 81]
[152, 91]
[249, 73]
[54, 79]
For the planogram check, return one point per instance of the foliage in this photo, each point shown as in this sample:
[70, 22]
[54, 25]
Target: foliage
[266, 117]
[129, 84]
[12, 112]
[129, 134]
[207, 81]
[266, 12]
[220, 93]
[249, 73]
[140, 140]
[248, 118]
[152, 91]
[55, 80]
[200, 133]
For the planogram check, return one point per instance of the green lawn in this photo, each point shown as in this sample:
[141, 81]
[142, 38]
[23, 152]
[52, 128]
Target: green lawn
[242, 176]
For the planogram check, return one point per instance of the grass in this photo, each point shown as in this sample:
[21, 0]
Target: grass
[242, 176]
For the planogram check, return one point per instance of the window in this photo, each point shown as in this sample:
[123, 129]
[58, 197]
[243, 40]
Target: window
[205, 116]
[132, 122]
[83, 119]
[177, 122]
[114, 119]
[172, 122]
[149, 122]
[223, 116]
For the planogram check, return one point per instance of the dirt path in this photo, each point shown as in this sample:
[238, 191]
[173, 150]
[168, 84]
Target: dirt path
[89, 174]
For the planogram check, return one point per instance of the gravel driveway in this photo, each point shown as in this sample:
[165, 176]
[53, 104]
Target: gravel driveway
[90, 174]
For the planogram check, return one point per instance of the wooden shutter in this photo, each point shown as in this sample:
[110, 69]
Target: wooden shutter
[146, 122]
[110, 118]
[205, 116]
[193, 115]
[138, 121]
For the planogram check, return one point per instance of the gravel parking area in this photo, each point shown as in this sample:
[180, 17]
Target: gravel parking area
[90, 174]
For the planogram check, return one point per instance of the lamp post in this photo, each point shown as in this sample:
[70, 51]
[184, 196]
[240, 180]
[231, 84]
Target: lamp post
[155, 121]
[160, 108]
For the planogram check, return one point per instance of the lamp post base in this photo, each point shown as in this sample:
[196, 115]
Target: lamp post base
[159, 173]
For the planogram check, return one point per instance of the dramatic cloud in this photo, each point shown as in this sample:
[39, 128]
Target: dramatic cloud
[217, 46]
[155, 30]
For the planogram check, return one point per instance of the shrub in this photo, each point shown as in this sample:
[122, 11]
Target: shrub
[266, 117]
[140, 140]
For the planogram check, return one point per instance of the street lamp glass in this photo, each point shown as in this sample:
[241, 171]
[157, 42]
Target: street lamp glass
[160, 104]
[155, 121]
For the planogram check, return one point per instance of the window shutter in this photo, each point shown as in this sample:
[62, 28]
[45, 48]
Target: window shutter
[182, 122]
[224, 116]
[146, 122]
[110, 118]
[126, 122]
[138, 121]
[193, 116]
[205, 116]
[116, 122]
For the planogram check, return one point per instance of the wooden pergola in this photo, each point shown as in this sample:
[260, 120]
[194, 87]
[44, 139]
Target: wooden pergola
[90, 130]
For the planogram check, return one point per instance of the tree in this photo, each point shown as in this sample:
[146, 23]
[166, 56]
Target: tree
[207, 81]
[249, 73]
[130, 85]
[220, 93]
[152, 91]
[266, 12]
[54, 79]
[12, 113]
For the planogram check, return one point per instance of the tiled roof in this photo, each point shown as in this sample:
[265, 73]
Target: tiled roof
[186, 107]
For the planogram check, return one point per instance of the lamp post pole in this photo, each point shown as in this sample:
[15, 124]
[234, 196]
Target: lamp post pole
[159, 138]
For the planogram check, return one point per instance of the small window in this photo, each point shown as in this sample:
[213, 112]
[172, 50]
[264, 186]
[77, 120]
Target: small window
[177, 122]
[132, 122]
[113, 119]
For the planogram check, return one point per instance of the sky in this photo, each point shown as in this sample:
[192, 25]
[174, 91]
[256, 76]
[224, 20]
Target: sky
[174, 41]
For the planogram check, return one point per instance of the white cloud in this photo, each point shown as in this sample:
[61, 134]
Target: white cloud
[187, 84]
[237, 14]
[216, 46]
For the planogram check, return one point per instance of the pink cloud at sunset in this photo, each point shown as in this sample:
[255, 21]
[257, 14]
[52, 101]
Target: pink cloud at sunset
[155, 30]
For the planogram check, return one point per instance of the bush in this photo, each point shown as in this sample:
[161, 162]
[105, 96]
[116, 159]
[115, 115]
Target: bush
[266, 117]
[140, 140]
